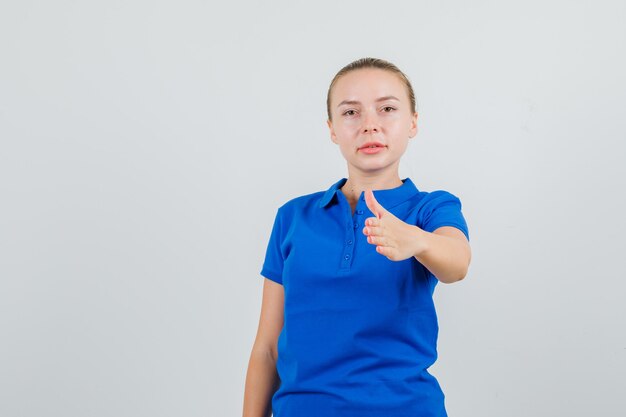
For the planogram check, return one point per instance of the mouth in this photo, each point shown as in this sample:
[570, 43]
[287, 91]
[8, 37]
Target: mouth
[372, 147]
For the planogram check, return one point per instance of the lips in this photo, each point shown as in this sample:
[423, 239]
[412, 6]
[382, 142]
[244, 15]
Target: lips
[372, 148]
[370, 144]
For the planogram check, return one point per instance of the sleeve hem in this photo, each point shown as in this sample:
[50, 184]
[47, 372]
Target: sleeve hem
[272, 276]
[458, 226]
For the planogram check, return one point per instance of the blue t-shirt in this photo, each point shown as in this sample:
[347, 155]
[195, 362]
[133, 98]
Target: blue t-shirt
[360, 330]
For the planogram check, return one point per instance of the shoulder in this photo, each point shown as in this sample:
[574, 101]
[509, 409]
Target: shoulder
[438, 208]
[300, 205]
[442, 196]
[304, 200]
[430, 200]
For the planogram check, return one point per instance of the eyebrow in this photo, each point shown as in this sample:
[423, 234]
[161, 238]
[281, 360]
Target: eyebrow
[358, 102]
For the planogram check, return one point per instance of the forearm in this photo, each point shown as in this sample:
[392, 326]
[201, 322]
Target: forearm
[446, 257]
[261, 382]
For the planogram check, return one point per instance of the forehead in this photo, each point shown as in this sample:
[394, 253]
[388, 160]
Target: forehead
[368, 83]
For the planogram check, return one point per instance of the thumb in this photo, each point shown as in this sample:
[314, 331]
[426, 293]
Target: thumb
[373, 204]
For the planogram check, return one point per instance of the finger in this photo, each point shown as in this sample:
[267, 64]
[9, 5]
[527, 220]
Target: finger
[372, 231]
[372, 221]
[387, 251]
[379, 240]
[373, 240]
[373, 204]
[376, 240]
[383, 250]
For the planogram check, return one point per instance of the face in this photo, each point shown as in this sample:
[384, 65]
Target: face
[371, 105]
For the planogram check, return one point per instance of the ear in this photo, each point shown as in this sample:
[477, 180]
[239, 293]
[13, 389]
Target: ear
[333, 137]
[413, 126]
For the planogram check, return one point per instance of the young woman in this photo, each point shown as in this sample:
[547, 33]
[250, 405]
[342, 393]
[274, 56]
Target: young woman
[348, 325]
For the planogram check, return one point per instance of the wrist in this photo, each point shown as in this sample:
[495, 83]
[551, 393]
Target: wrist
[421, 241]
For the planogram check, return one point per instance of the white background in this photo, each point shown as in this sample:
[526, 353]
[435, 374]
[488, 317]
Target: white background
[146, 145]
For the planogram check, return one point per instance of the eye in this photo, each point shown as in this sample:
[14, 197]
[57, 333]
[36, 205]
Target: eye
[387, 109]
[349, 113]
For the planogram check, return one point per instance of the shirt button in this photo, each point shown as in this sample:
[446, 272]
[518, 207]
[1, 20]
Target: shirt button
[359, 211]
[347, 257]
[356, 225]
[349, 242]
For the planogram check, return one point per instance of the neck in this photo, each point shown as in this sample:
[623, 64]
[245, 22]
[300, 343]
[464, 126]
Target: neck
[353, 187]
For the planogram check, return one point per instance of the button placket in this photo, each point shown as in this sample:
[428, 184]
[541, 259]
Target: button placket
[352, 238]
[349, 241]
[348, 249]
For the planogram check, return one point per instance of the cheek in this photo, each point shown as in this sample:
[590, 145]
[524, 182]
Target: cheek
[347, 129]
[400, 126]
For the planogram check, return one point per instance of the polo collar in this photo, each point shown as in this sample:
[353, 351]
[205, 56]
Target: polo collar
[387, 198]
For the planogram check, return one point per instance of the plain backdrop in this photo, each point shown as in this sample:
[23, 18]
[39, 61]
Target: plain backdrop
[146, 145]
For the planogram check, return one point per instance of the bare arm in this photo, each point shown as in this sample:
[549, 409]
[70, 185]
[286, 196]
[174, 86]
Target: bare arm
[445, 252]
[262, 380]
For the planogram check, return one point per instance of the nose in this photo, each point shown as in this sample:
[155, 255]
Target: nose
[370, 123]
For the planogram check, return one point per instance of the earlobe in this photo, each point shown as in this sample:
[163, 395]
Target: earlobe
[413, 127]
[333, 137]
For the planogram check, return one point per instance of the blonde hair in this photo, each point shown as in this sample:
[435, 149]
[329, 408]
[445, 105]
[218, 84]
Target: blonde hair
[371, 63]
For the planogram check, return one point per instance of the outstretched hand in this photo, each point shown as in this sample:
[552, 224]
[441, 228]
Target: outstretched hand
[393, 238]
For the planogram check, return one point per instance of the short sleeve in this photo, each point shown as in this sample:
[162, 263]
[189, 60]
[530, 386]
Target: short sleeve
[273, 265]
[443, 209]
